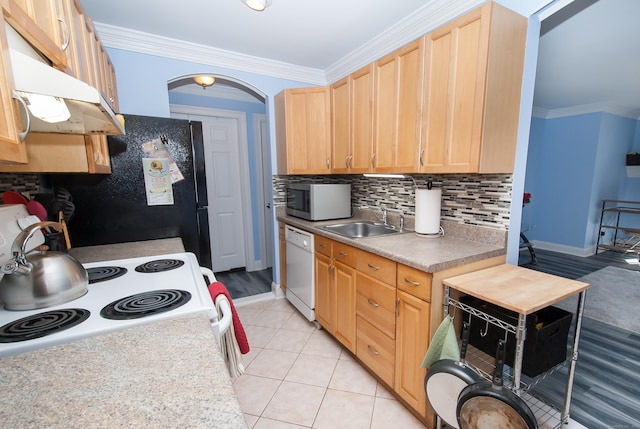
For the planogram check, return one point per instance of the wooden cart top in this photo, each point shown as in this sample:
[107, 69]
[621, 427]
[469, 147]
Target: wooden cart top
[516, 288]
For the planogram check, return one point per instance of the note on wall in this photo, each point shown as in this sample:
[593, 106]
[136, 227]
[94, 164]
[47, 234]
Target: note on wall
[157, 181]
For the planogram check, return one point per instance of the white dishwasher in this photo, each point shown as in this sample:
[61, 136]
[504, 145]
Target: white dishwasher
[300, 271]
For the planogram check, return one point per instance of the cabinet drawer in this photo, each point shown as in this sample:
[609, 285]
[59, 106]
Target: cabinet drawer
[376, 302]
[377, 267]
[376, 350]
[345, 254]
[323, 245]
[415, 282]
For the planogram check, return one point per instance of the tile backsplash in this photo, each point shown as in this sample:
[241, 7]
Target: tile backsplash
[24, 183]
[474, 199]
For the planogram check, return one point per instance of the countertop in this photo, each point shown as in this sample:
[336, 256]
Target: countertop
[109, 252]
[461, 244]
[167, 374]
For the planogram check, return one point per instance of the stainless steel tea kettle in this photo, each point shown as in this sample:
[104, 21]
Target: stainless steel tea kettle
[43, 279]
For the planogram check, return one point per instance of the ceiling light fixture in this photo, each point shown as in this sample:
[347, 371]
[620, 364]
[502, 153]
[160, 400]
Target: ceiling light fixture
[204, 80]
[258, 5]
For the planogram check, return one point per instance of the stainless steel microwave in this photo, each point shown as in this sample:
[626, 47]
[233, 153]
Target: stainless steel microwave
[318, 201]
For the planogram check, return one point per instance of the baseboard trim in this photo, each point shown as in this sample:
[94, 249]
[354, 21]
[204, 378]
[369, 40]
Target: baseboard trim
[561, 248]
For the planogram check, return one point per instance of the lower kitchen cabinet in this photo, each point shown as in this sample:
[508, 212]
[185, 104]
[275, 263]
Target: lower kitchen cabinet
[336, 290]
[412, 341]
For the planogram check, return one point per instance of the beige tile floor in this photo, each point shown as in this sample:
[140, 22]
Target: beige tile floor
[299, 377]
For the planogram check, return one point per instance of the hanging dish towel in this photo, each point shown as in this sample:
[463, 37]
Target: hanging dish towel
[217, 288]
[444, 344]
[229, 344]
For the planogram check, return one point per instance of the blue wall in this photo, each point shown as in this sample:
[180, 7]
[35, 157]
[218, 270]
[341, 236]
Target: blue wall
[573, 164]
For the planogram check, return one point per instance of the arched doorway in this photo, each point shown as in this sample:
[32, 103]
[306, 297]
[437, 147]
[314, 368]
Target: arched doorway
[238, 176]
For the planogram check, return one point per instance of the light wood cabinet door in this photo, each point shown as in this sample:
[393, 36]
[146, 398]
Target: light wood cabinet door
[352, 120]
[473, 77]
[12, 149]
[362, 99]
[303, 130]
[412, 341]
[37, 21]
[325, 292]
[344, 278]
[398, 109]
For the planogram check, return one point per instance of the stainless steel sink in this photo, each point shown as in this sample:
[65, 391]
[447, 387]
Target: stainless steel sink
[360, 229]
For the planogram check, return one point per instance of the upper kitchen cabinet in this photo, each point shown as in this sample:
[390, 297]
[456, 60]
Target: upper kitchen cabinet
[352, 119]
[303, 130]
[473, 78]
[65, 38]
[40, 23]
[398, 109]
[12, 149]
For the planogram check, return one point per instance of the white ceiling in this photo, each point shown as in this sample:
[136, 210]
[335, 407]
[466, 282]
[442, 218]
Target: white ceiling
[589, 59]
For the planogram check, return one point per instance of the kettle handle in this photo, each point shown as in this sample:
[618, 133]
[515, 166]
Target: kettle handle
[20, 242]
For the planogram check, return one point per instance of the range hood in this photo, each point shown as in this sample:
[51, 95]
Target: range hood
[88, 111]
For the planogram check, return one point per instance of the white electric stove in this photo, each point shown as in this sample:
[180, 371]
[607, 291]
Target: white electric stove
[121, 294]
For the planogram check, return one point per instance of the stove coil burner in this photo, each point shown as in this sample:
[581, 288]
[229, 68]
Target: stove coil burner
[145, 304]
[101, 274]
[159, 265]
[42, 324]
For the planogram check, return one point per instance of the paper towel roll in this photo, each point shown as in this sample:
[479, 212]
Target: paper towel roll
[428, 203]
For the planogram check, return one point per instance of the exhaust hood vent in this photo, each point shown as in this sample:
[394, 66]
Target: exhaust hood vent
[57, 102]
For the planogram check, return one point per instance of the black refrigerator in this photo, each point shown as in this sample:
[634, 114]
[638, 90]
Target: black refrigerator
[112, 208]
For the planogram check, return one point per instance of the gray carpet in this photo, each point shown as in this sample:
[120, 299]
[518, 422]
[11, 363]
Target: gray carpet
[612, 298]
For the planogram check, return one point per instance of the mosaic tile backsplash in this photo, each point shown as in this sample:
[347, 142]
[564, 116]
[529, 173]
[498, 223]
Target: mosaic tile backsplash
[24, 183]
[474, 199]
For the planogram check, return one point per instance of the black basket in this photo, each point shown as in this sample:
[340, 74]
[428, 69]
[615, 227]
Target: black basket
[545, 343]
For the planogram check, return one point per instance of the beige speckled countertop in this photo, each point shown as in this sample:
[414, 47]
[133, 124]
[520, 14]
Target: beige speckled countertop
[462, 244]
[109, 252]
[167, 374]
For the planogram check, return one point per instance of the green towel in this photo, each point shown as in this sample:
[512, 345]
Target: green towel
[444, 344]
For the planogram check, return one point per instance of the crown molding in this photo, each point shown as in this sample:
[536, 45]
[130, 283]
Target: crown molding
[603, 107]
[137, 41]
[429, 17]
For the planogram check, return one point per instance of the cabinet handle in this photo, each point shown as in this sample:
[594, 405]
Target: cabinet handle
[328, 164]
[67, 34]
[343, 254]
[372, 350]
[373, 160]
[346, 162]
[373, 303]
[406, 280]
[397, 307]
[373, 267]
[421, 153]
[321, 245]
[23, 135]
